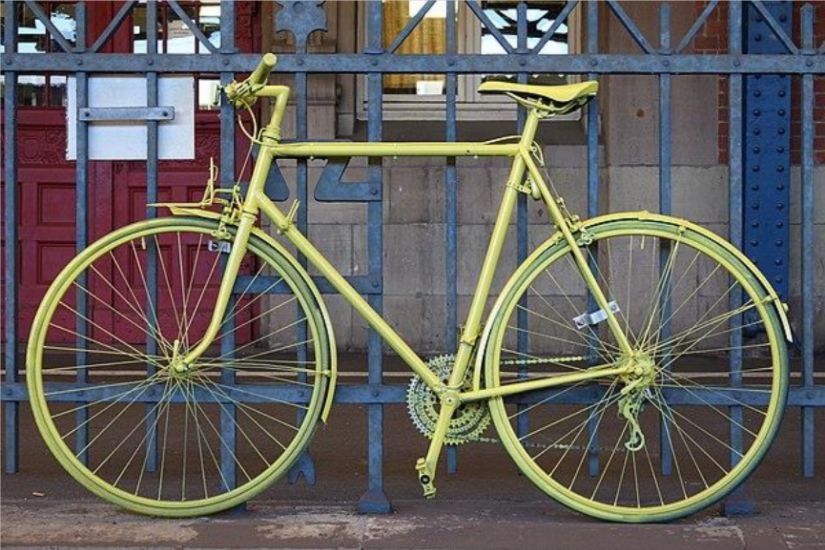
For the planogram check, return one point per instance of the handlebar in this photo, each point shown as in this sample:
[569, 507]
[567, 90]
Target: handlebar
[242, 94]
[261, 72]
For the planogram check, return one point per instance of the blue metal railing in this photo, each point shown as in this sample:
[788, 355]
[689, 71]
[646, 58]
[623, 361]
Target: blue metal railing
[738, 63]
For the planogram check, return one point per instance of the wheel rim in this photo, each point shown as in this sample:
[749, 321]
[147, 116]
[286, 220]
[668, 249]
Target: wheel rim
[269, 389]
[591, 469]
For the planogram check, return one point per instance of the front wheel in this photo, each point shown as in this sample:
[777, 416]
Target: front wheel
[701, 407]
[140, 433]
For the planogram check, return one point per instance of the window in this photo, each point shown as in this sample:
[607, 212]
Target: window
[421, 96]
[175, 37]
[42, 90]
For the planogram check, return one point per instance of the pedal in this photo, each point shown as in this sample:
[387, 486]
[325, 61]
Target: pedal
[425, 477]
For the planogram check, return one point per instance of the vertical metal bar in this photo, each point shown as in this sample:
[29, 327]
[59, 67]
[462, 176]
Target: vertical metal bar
[451, 209]
[374, 500]
[808, 248]
[665, 208]
[81, 233]
[151, 196]
[735, 212]
[592, 203]
[522, 424]
[227, 178]
[11, 436]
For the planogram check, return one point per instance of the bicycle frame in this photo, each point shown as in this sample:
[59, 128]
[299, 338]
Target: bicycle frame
[257, 202]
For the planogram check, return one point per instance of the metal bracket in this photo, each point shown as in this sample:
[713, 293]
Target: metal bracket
[88, 114]
[587, 319]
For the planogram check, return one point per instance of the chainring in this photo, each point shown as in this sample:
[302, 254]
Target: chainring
[469, 420]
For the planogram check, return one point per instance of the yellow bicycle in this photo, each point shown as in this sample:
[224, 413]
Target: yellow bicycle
[636, 412]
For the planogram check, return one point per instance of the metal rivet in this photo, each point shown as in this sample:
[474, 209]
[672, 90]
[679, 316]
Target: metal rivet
[754, 187]
[779, 242]
[757, 150]
[593, 62]
[755, 168]
[780, 168]
[781, 93]
[756, 131]
[754, 224]
[522, 62]
[778, 279]
[150, 61]
[780, 187]
[450, 62]
[809, 63]
[374, 191]
[778, 261]
[374, 62]
[758, 38]
[757, 112]
[780, 225]
[375, 393]
[781, 112]
[757, 93]
[754, 242]
[780, 206]
[80, 62]
[780, 149]
[736, 62]
[666, 63]
[10, 62]
[783, 17]
[780, 131]
[300, 61]
[755, 206]
[226, 61]
[375, 284]
[165, 113]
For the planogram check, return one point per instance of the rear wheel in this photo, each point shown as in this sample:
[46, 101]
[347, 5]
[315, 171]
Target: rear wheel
[143, 435]
[700, 411]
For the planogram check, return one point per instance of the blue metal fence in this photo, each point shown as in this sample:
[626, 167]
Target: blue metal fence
[747, 58]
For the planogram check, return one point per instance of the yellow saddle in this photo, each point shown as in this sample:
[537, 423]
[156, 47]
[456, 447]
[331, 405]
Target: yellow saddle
[559, 99]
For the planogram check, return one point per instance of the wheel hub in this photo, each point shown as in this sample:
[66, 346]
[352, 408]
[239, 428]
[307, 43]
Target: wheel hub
[469, 420]
[641, 376]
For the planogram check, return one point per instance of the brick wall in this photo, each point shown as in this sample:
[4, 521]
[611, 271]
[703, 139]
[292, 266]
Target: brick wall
[713, 39]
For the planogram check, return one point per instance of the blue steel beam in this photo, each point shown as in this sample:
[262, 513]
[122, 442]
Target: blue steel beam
[378, 62]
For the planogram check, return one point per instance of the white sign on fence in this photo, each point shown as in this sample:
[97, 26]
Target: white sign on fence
[127, 139]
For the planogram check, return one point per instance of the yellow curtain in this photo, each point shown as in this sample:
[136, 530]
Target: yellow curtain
[428, 37]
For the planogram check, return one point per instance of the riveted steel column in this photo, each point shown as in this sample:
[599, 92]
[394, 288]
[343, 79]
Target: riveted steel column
[767, 151]
[374, 500]
[11, 426]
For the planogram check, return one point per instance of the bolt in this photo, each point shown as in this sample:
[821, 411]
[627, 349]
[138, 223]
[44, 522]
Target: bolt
[374, 62]
[300, 62]
[150, 61]
[736, 63]
[374, 191]
[809, 63]
[780, 168]
[593, 62]
[757, 93]
[781, 93]
[781, 112]
[165, 113]
[780, 225]
[754, 242]
[780, 131]
[80, 62]
[666, 63]
[375, 284]
[757, 112]
[779, 242]
[757, 150]
[756, 131]
[226, 61]
[451, 62]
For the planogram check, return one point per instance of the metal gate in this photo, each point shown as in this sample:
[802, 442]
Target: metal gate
[760, 42]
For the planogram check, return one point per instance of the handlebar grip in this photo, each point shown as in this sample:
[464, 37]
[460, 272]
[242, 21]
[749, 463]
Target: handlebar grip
[261, 72]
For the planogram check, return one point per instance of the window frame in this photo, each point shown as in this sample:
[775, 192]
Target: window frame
[470, 105]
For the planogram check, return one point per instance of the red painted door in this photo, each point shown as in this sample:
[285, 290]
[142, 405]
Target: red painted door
[117, 190]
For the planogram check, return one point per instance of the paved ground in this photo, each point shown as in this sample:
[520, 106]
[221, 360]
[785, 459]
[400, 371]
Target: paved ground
[487, 504]
[415, 524]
